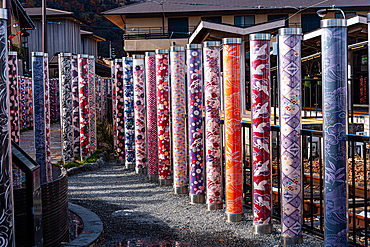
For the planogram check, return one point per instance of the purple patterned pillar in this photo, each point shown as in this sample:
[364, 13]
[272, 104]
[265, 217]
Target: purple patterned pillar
[120, 114]
[66, 109]
[177, 58]
[211, 54]
[49, 170]
[114, 102]
[151, 115]
[195, 111]
[290, 138]
[23, 103]
[83, 94]
[139, 102]
[92, 104]
[14, 96]
[260, 87]
[75, 107]
[30, 103]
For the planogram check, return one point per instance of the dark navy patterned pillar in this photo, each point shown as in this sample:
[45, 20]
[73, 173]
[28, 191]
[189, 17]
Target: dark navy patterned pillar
[66, 110]
[6, 188]
[49, 170]
[75, 107]
[334, 79]
[39, 111]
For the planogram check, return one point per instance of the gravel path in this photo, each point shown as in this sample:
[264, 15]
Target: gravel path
[136, 212]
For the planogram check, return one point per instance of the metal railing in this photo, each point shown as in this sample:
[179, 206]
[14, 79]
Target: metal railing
[158, 32]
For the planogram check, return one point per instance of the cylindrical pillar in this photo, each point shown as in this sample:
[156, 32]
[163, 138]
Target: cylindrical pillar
[212, 101]
[163, 117]
[14, 97]
[334, 79]
[260, 96]
[114, 105]
[129, 113]
[98, 98]
[26, 101]
[92, 104]
[49, 170]
[6, 183]
[139, 103]
[38, 94]
[23, 103]
[234, 176]
[83, 93]
[75, 107]
[30, 98]
[120, 113]
[177, 58]
[66, 109]
[195, 121]
[290, 138]
[151, 115]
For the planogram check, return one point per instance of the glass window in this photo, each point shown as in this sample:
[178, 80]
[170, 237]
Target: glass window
[310, 22]
[348, 15]
[215, 19]
[276, 17]
[244, 21]
[178, 27]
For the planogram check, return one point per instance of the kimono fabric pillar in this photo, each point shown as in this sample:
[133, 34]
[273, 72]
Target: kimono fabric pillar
[75, 107]
[83, 94]
[114, 106]
[66, 109]
[195, 120]
[14, 97]
[23, 103]
[30, 97]
[49, 169]
[234, 179]
[120, 113]
[39, 111]
[211, 60]
[92, 104]
[6, 183]
[290, 127]
[151, 115]
[139, 102]
[334, 78]
[129, 113]
[163, 117]
[177, 58]
[260, 95]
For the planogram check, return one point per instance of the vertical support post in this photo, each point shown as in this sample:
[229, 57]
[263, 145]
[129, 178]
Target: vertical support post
[23, 103]
[368, 63]
[334, 68]
[129, 112]
[75, 107]
[49, 170]
[261, 134]
[92, 104]
[195, 112]
[139, 103]
[14, 97]
[120, 106]
[44, 27]
[151, 115]
[6, 183]
[290, 126]
[211, 54]
[83, 93]
[163, 117]
[26, 100]
[30, 97]
[66, 108]
[38, 94]
[177, 58]
[114, 102]
[233, 152]
[99, 98]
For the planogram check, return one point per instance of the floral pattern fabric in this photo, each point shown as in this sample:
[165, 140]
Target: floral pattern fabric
[83, 94]
[14, 98]
[92, 105]
[49, 176]
[129, 113]
[23, 103]
[120, 106]
[75, 107]
[114, 105]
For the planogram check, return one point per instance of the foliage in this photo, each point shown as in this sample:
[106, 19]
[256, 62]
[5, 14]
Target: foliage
[18, 49]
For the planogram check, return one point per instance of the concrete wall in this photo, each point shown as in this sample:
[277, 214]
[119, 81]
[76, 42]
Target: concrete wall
[144, 45]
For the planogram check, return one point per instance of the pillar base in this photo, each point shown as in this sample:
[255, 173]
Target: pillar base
[263, 229]
[165, 182]
[130, 166]
[234, 217]
[140, 170]
[181, 190]
[214, 206]
[153, 177]
[285, 241]
[196, 199]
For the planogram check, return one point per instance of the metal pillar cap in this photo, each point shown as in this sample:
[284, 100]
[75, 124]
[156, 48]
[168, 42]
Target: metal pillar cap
[161, 51]
[229, 41]
[368, 17]
[334, 23]
[181, 190]
[149, 54]
[234, 217]
[214, 206]
[290, 31]
[3, 14]
[211, 44]
[74, 56]
[196, 198]
[260, 36]
[83, 56]
[118, 60]
[64, 54]
[263, 229]
[137, 56]
[177, 48]
[126, 58]
[153, 177]
[12, 53]
[193, 46]
[37, 54]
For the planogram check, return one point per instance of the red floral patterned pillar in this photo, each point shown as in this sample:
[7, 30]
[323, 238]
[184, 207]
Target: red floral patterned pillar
[83, 92]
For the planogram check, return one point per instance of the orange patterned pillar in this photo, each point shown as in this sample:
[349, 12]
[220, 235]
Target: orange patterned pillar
[234, 178]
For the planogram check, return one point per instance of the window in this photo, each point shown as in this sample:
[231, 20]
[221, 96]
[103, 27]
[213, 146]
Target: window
[348, 15]
[244, 21]
[178, 27]
[276, 17]
[215, 19]
[310, 22]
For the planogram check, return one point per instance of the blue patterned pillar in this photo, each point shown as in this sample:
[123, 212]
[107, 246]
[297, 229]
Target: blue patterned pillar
[290, 125]
[334, 79]
[6, 188]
